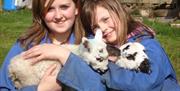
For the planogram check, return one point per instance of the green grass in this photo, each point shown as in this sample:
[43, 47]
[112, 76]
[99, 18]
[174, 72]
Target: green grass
[12, 24]
[170, 39]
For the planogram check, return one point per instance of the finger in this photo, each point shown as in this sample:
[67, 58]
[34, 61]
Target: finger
[35, 60]
[31, 50]
[34, 53]
[113, 58]
[56, 71]
[50, 70]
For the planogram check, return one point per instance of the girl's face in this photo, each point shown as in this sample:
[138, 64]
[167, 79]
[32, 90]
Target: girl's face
[60, 16]
[105, 22]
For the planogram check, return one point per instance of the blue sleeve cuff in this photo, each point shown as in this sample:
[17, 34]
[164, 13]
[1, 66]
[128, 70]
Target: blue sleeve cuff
[29, 88]
[77, 74]
[68, 72]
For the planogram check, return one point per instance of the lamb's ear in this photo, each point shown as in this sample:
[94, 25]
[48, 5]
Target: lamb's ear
[84, 39]
[98, 34]
[85, 42]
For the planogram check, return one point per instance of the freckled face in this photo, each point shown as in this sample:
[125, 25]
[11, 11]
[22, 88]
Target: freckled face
[105, 22]
[61, 16]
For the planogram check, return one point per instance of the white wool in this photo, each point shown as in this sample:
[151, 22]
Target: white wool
[21, 71]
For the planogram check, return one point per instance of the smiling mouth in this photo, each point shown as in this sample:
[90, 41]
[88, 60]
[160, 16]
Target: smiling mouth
[107, 34]
[59, 22]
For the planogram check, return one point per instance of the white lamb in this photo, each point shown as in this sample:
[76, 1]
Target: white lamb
[93, 51]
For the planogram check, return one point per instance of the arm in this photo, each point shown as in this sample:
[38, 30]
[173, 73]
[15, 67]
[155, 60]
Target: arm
[162, 72]
[78, 75]
[5, 82]
[75, 72]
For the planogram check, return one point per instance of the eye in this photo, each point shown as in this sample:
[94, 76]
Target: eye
[50, 9]
[64, 7]
[101, 51]
[132, 56]
[105, 19]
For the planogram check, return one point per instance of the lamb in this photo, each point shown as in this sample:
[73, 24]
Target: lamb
[23, 74]
[131, 56]
[93, 51]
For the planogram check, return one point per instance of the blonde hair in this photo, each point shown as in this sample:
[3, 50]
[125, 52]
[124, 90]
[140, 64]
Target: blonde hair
[39, 30]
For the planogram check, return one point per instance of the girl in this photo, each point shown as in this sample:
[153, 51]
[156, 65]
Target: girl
[55, 22]
[118, 28]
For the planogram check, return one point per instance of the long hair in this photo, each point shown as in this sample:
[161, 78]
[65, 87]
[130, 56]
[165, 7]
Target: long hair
[124, 23]
[38, 30]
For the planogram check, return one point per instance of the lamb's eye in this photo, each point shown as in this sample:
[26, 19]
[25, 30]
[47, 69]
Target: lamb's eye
[131, 56]
[101, 51]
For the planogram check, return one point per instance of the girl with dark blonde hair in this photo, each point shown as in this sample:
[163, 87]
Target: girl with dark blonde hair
[118, 28]
[55, 22]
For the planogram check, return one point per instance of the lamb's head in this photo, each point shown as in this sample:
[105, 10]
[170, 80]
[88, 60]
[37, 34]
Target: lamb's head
[135, 57]
[94, 52]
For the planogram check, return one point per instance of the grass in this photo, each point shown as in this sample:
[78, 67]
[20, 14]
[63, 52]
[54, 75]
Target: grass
[12, 24]
[170, 39]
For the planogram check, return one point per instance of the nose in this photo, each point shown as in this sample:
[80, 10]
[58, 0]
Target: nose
[58, 15]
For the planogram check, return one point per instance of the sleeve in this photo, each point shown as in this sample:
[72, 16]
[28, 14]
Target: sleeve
[5, 81]
[162, 75]
[78, 75]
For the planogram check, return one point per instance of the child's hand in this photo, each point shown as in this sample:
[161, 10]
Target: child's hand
[48, 81]
[47, 51]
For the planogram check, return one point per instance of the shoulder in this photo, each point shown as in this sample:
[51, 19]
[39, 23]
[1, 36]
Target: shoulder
[152, 44]
[155, 51]
[14, 50]
[153, 48]
[149, 42]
